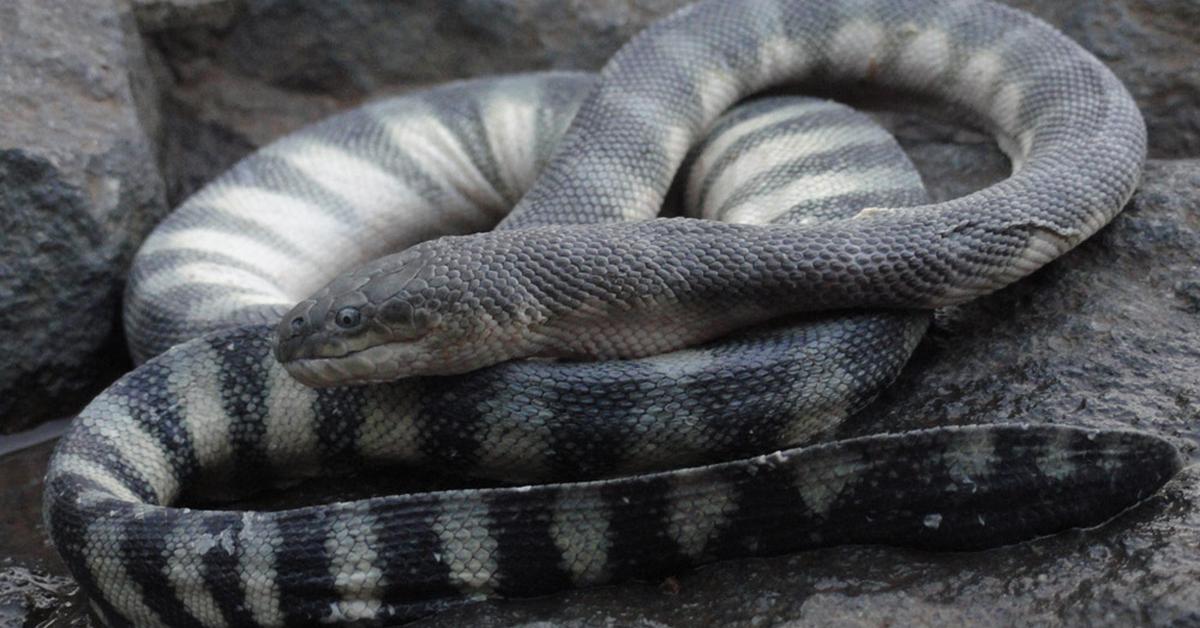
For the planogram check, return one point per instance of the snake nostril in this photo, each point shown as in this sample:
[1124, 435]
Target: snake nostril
[298, 325]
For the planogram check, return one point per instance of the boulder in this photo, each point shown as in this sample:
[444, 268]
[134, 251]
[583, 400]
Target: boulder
[79, 189]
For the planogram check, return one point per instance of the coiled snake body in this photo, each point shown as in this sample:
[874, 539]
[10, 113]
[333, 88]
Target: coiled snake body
[568, 275]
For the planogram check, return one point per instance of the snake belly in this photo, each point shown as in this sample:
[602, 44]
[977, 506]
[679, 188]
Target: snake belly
[219, 407]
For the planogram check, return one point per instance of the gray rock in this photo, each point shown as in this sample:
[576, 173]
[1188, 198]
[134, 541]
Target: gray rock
[157, 15]
[78, 191]
[58, 293]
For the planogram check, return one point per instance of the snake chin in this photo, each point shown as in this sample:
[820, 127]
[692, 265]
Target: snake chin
[375, 364]
[352, 369]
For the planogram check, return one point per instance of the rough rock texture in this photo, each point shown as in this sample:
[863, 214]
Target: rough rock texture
[78, 191]
[58, 292]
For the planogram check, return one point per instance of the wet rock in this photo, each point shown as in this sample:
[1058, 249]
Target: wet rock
[33, 598]
[78, 191]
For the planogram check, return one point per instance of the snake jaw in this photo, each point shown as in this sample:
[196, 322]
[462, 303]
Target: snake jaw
[323, 372]
[384, 362]
[320, 350]
[417, 312]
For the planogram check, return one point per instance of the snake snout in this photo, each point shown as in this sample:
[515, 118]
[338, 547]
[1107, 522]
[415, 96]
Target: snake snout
[293, 329]
[298, 326]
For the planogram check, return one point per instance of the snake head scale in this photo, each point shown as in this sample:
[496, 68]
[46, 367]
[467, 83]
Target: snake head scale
[412, 313]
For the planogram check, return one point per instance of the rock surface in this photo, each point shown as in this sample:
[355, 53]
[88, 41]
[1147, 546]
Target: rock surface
[78, 190]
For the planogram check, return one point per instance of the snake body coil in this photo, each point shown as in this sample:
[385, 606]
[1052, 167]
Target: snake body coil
[567, 275]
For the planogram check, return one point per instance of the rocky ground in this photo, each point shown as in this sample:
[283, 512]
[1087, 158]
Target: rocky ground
[116, 110]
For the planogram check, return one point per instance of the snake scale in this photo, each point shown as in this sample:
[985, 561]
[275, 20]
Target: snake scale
[813, 208]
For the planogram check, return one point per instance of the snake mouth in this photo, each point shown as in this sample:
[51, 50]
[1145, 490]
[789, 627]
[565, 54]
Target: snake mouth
[371, 365]
[324, 372]
[375, 364]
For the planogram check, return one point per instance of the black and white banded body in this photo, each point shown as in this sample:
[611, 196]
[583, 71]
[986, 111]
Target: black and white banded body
[227, 265]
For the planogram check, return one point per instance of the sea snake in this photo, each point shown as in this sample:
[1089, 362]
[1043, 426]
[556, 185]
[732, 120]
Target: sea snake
[580, 268]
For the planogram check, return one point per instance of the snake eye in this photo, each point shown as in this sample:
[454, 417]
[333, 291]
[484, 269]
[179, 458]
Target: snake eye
[348, 318]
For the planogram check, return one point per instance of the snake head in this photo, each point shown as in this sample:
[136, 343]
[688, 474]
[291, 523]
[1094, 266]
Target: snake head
[417, 312]
[374, 323]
